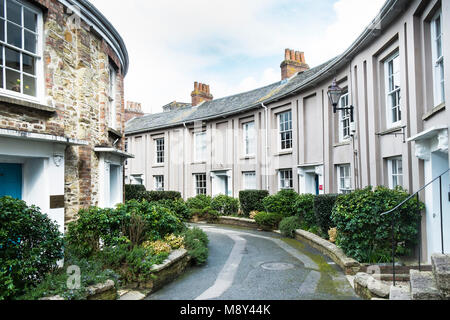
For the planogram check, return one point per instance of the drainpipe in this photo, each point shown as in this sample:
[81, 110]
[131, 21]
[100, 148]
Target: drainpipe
[184, 160]
[267, 144]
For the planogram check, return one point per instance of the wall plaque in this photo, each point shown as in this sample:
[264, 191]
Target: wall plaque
[57, 202]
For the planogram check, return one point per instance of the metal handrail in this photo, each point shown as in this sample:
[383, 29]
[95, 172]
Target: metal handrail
[420, 226]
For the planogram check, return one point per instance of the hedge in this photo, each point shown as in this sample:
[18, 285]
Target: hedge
[268, 220]
[284, 203]
[134, 191]
[225, 205]
[251, 200]
[323, 209]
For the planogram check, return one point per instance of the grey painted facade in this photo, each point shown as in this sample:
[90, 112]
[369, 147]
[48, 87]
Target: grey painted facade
[399, 45]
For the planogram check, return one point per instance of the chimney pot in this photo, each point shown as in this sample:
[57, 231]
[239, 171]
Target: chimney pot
[201, 93]
[294, 63]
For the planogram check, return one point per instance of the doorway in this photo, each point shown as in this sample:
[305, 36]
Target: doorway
[11, 180]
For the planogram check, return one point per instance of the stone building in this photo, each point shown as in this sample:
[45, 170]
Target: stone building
[286, 135]
[61, 106]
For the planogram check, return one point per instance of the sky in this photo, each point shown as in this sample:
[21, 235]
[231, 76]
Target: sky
[233, 45]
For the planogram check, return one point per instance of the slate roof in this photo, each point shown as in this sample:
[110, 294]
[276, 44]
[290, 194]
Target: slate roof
[220, 107]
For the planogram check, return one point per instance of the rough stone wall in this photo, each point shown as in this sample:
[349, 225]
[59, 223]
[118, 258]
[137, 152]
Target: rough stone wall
[76, 67]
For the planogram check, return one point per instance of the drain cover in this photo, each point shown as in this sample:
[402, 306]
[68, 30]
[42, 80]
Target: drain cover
[277, 266]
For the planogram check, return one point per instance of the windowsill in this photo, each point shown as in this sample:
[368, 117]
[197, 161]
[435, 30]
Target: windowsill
[198, 162]
[248, 158]
[114, 132]
[283, 153]
[161, 165]
[391, 130]
[25, 103]
[341, 144]
[434, 111]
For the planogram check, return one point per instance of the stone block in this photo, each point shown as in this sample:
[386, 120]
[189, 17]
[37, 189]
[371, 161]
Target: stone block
[423, 286]
[441, 270]
[400, 293]
[102, 291]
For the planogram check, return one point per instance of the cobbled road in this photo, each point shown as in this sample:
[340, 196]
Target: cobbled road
[253, 265]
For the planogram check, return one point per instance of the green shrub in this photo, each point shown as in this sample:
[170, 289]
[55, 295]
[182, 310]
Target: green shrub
[152, 196]
[225, 205]
[364, 234]
[196, 242]
[199, 202]
[30, 244]
[134, 192]
[323, 209]
[268, 220]
[284, 203]
[251, 200]
[289, 225]
[305, 210]
[177, 206]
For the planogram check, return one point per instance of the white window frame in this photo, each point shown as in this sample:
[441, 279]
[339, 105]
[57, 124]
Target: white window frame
[159, 182]
[200, 185]
[285, 176]
[438, 60]
[160, 151]
[389, 93]
[112, 108]
[200, 156]
[281, 131]
[395, 175]
[249, 137]
[249, 180]
[344, 119]
[344, 181]
[38, 56]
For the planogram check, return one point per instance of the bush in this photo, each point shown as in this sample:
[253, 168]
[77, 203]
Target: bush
[152, 196]
[177, 206]
[134, 192]
[268, 220]
[199, 202]
[30, 244]
[323, 209]
[364, 234]
[196, 242]
[284, 203]
[305, 210]
[225, 205]
[289, 225]
[251, 200]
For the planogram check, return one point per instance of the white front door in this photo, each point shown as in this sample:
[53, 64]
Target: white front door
[221, 183]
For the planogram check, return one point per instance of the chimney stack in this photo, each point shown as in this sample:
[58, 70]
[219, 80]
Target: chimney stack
[133, 110]
[294, 62]
[200, 94]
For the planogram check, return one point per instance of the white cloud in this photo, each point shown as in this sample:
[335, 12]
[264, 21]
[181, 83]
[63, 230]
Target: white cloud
[173, 43]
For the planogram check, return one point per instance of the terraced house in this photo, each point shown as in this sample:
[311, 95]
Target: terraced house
[287, 136]
[62, 68]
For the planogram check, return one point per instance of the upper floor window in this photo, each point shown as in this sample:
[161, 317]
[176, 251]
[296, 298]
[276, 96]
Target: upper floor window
[20, 55]
[200, 184]
[438, 60]
[393, 91]
[200, 147]
[249, 180]
[249, 139]
[159, 143]
[112, 97]
[285, 128]
[344, 119]
[344, 179]
[159, 183]
[395, 171]
[286, 179]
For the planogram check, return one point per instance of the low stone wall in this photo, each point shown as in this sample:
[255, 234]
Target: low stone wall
[101, 291]
[349, 265]
[367, 287]
[240, 222]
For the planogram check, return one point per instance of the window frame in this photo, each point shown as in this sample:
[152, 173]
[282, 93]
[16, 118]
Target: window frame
[200, 158]
[249, 142]
[395, 178]
[282, 179]
[158, 182]
[245, 176]
[284, 131]
[160, 156]
[389, 93]
[341, 180]
[344, 117]
[438, 63]
[38, 56]
[200, 184]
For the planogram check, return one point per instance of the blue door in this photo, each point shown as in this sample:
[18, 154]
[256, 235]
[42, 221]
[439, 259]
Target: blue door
[11, 180]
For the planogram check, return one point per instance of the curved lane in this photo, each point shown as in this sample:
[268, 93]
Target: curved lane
[253, 265]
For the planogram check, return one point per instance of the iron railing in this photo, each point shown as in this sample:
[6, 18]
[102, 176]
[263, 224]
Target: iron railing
[394, 244]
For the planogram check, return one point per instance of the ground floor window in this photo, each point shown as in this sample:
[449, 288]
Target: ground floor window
[249, 180]
[286, 180]
[200, 183]
[395, 172]
[344, 179]
[159, 183]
